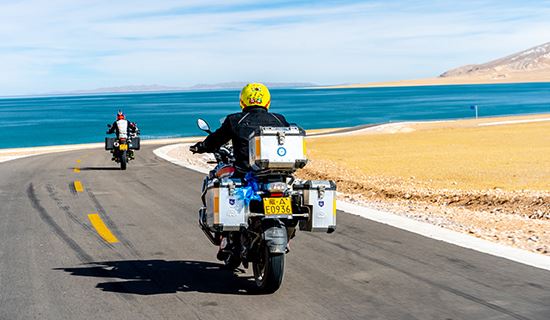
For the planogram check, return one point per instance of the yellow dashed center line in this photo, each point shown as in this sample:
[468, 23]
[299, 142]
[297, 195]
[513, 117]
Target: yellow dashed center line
[101, 228]
[94, 218]
[78, 186]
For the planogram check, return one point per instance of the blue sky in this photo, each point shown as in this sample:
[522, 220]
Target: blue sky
[68, 45]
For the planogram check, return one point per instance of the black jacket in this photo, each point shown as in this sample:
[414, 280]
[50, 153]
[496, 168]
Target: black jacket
[237, 127]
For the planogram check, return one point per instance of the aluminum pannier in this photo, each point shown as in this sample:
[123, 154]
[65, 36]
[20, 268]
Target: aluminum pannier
[225, 209]
[320, 197]
[277, 148]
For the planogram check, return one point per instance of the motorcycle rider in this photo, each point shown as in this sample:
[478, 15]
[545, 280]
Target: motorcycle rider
[123, 128]
[255, 100]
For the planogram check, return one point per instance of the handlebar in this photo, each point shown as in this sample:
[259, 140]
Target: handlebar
[224, 154]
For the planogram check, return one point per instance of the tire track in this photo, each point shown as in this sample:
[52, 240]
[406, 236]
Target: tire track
[52, 193]
[112, 225]
[46, 217]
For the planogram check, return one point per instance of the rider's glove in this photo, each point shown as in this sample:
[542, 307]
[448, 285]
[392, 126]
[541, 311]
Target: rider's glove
[198, 148]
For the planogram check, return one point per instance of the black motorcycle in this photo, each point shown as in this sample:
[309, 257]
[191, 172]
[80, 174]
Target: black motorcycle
[123, 149]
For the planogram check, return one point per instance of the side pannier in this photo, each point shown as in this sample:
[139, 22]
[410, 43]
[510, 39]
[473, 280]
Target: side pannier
[320, 197]
[225, 210]
[135, 143]
[109, 143]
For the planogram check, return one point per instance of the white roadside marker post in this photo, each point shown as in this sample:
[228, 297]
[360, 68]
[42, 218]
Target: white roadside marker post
[474, 107]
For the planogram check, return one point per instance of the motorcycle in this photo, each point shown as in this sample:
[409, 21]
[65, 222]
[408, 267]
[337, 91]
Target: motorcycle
[252, 219]
[122, 148]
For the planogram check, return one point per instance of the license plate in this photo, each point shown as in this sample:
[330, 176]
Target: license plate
[123, 147]
[277, 206]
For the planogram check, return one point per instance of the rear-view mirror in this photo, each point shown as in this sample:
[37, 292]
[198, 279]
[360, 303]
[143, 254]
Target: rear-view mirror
[203, 125]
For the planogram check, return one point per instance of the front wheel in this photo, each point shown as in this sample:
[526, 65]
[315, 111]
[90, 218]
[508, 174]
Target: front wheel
[123, 160]
[269, 270]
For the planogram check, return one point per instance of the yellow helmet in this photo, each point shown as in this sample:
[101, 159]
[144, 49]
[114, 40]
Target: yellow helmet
[255, 94]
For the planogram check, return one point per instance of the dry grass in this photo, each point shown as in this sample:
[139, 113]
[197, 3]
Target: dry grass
[492, 182]
[510, 157]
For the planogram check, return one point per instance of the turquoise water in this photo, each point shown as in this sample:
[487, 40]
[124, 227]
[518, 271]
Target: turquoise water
[56, 120]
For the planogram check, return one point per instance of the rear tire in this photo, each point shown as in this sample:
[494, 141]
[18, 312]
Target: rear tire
[269, 270]
[123, 160]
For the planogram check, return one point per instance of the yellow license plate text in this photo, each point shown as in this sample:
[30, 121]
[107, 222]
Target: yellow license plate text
[277, 206]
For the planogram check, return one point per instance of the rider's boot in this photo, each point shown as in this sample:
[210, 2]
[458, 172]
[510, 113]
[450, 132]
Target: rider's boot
[222, 253]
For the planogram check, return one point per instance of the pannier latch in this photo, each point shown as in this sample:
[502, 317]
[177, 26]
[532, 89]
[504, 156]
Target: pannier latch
[281, 137]
[321, 192]
[231, 188]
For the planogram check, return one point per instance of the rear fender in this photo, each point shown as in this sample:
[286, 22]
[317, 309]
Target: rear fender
[275, 237]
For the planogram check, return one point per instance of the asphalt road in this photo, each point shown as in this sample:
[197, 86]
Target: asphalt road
[54, 264]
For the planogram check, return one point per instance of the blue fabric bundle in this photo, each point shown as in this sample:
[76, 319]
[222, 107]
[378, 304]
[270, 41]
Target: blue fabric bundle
[249, 191]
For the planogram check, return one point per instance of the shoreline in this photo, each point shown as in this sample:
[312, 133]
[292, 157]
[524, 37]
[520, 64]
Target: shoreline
[427, 82]
[8, 154]
[319, 132]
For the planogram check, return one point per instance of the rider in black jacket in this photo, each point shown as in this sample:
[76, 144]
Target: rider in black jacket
[123, 129]
[254, 100]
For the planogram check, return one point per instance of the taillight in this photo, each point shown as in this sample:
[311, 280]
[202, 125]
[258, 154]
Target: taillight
[276, 194]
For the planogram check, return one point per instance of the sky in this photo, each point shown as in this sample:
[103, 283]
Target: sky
[63, 45]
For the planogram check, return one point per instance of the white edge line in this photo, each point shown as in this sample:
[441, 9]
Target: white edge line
[162, 152]
[418, 227]
[498, 123]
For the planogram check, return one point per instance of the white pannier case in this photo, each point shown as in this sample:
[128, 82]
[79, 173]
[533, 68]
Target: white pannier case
[320, 197]
[225, 208]
[277, 148]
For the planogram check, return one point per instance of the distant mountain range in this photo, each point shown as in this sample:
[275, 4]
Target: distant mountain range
[531, 65]
[160, 88]
[533, 62]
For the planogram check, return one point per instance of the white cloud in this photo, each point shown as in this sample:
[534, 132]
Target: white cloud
[63, 45]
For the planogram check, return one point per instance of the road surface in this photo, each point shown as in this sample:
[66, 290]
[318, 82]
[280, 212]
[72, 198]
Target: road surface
[157, 264]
